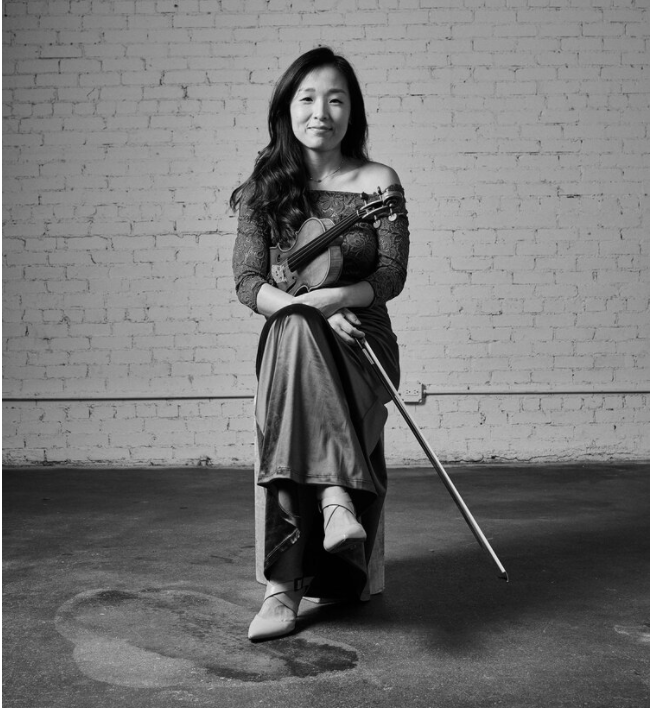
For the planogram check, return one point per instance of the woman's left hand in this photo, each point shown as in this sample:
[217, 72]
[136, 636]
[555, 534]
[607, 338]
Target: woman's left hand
[344, 324]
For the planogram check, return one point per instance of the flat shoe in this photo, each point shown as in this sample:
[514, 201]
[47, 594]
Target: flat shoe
[339, 536]
[262, 628]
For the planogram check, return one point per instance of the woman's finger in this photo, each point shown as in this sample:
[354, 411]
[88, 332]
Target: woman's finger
[343, 328]
[353, 320]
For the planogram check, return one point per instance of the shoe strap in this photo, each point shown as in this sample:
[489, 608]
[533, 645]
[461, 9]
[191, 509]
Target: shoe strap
[337, 501]
[276, 588]
[327, 516]
[335, 498]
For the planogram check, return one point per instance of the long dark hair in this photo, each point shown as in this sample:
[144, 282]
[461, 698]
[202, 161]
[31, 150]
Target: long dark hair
[276, 191]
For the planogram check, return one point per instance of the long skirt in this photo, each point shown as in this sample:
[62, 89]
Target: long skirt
[320, 412]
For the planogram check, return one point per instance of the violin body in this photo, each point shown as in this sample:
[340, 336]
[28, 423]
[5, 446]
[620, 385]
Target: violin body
[322, 271]
[315, 258]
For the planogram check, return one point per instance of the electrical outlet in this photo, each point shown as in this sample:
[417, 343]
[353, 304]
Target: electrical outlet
[413, 392]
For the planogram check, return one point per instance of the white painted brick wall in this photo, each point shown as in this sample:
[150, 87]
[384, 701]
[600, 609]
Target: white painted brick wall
[519, 130]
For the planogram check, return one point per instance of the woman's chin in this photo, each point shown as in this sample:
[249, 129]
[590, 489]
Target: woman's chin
[320, 146]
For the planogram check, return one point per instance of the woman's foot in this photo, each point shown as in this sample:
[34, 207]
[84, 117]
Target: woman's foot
[340, 526]
[277, 616]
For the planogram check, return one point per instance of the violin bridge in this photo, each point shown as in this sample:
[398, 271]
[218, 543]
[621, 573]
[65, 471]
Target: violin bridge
[283, 277]
[278, 273]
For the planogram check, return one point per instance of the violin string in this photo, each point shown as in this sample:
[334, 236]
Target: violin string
[296, 261]
[306, 253]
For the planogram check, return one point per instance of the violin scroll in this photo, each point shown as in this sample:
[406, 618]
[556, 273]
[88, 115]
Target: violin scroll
[393, 199]
[382, 203]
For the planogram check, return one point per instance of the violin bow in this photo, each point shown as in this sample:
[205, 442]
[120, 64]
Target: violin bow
[471, 521]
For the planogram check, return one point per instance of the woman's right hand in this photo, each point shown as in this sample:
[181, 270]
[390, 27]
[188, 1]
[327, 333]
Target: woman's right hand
[326, 300]
[344, 324]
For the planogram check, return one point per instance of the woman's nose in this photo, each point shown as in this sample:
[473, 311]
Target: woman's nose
[320, 109]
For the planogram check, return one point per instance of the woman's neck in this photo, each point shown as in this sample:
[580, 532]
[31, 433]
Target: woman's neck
[322, 166]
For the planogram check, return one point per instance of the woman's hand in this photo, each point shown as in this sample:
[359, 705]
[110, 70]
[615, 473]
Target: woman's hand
[332, 304]
[344, 324]
[326, 300]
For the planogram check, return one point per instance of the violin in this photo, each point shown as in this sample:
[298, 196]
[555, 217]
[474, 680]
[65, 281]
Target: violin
[314, 259]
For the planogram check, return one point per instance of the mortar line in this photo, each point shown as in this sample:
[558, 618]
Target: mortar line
[219, 397]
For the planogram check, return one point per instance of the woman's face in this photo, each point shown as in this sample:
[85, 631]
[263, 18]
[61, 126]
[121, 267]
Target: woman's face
[320, 110]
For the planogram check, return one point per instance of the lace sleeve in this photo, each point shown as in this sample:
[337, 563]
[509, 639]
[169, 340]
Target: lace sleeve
[250, 258]
[389, 277]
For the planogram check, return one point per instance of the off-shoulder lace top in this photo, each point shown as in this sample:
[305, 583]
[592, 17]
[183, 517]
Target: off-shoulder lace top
[377, 253]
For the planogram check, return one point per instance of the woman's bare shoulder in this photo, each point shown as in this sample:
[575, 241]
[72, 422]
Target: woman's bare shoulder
[376, 175]
[369, 176]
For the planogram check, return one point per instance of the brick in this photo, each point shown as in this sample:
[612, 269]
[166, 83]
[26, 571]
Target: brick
[524, 141]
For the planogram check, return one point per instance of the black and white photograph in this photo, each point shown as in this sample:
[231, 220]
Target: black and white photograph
[326, 354]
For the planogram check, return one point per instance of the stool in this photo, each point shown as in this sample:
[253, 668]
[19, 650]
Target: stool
[376, 562]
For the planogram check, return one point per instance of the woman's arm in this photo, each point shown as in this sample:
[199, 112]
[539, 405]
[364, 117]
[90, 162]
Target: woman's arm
[250, 257]
[332, 302]
[329, 300]
[391, 270]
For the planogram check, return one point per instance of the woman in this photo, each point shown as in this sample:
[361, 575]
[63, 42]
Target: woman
[320, 408]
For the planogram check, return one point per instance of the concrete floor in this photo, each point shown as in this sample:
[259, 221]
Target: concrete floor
[134, 588]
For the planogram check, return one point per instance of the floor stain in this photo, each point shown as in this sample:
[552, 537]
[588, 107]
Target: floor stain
[637, 633]
[159, 637]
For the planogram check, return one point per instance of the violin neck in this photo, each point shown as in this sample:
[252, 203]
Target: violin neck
[306, 254]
